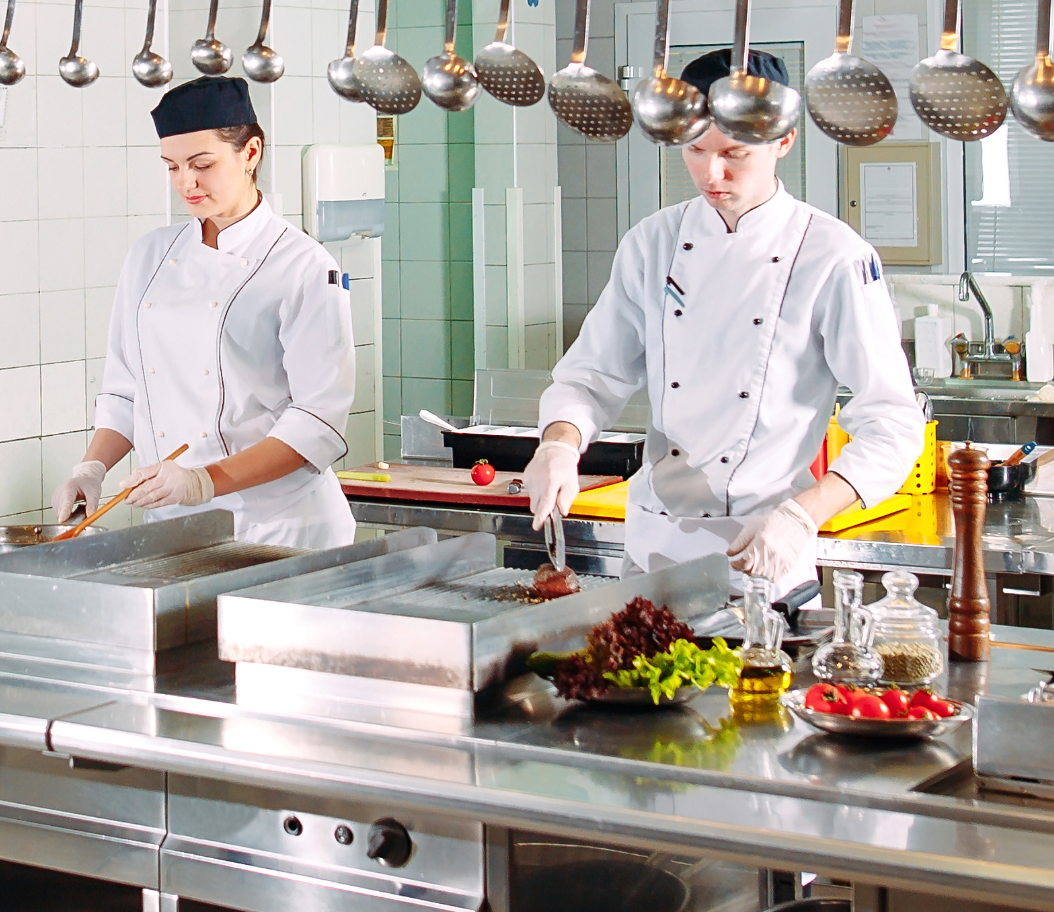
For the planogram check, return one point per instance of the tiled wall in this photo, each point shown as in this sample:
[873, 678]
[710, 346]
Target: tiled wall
[80, 179]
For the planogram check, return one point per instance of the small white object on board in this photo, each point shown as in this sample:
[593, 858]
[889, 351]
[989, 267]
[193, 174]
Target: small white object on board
[932, 335]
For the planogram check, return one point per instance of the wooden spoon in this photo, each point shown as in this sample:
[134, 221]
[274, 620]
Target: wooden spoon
[110, 504]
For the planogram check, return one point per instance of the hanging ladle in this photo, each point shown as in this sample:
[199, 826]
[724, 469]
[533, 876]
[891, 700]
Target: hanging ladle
[12, 69]
[387, 83]
[953, 94]
[585, 100]
[211, 57]
[1032, 94]
[450, 81]
[152, 70]
[506, 73]
[261, 63]
[669, 111]
[751, 109]
[73, 68]
[339, 72]
[850, 99]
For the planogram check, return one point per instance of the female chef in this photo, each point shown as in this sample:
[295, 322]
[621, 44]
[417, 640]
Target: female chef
[742, 310]
[230, 333]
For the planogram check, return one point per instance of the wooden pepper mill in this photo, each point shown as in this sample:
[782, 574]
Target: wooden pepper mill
[969, 610]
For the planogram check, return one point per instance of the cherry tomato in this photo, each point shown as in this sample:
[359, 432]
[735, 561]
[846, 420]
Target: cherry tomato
[868, 706]
[920, 712]
[825, 698]
[924, 698]
[942, 708]
[483, 472]
[897, 701]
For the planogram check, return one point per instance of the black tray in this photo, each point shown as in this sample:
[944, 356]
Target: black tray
[511, 454]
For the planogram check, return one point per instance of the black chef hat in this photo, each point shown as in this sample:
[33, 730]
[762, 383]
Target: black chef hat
[208, 103]
[704, 71]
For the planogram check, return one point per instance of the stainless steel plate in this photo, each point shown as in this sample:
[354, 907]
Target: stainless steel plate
[12, 537]
[876, 728]
[641, 697]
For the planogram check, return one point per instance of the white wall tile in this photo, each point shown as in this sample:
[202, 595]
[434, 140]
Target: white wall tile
[574, 223]
[106, 181]
[58, 454]
[20, 338]
[61, 326]
[54, 26]
[60, 182]
[20, 486]
[102, 40]
[93, 369]
[326, 112]
[293, 108]
[61, 254]
[359, 434]
[18, 256]
[18, 184]
[121, 470]
[31, 517]
[356, 257]
[139, 102]
[287, 166]
[291, 37]
[105, 117]
[19, 403]
[601, 224]
[572, 170]
[328, 37]
[20, 117]
[147, 181]
[358, 123]
[364, 378]
[362, 311]
[62, 397]
[575, 291]
[59, 117]
[24, 37]
[600, 170]
[105, 247]
[98, 302]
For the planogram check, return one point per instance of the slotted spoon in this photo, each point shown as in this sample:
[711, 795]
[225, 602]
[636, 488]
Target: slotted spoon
[850, 99]
[1032, 94]
[73, 68]
[12, 69]
[668, 111]
[211, 57]
[386, 82]
[506, 73]
[585, 100]
[953, 94]
[339, 71]
[448, 80]
[751, 109]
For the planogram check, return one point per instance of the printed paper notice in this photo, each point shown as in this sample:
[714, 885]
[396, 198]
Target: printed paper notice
[889, 204]
[892, 44]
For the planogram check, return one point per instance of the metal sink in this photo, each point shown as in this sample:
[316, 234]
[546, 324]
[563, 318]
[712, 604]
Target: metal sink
[953, 388]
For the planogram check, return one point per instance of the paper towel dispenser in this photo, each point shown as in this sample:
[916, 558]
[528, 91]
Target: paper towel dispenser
[343, 191]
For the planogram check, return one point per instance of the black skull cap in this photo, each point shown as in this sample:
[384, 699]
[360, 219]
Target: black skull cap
[704, 71]
[208, 103]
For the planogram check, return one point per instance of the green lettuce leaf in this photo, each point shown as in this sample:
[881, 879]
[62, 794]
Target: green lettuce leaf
[683, 664]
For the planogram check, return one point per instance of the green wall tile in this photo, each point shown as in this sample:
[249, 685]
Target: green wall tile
[462, 350]
[493, 121]
[497, 307]
[390, 297]
[391, 345]
[392, 447]
[494, 233]
[461, 398]
[423, 231]
[493, 169]
[461, 306]
[390, 238]
[424, 174]
[461, 172]
[424, 124]
[391, 184]
[424, 291]
[392, 391]
[461, 125]
[426, 349]
[433, 395]
[460, 238]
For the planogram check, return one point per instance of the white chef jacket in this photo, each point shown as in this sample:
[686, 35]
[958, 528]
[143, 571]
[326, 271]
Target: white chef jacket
[742, 339]
[220, 348]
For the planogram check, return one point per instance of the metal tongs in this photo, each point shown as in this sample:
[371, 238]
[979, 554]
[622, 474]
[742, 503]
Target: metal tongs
[554, 540]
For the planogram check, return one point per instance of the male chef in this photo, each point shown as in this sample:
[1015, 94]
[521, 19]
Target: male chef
[742, 310]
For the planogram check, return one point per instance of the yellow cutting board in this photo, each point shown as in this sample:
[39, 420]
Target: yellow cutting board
[857, 516]
[608, 502]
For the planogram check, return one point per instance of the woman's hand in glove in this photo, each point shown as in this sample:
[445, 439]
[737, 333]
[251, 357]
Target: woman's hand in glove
[771, 545]
[166, 484]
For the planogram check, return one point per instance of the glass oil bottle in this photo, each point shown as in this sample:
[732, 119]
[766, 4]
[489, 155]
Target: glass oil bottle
[767, 670]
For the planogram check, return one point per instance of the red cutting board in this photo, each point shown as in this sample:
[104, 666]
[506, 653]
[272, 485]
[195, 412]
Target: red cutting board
[438, 484]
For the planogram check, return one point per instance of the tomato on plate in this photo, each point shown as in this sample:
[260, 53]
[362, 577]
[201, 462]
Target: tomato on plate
[483, 473]
[897, 701]
[868, 706]
[826, 698]
[945, 709]
[922, 714]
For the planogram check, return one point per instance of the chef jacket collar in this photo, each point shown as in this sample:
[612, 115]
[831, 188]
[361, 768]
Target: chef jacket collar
[237, 237]
[771, 214]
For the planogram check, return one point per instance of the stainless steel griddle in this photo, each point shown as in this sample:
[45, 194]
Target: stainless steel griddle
[117, 609]
[426, 629]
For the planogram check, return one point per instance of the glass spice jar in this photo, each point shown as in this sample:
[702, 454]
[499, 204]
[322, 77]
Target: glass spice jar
[850, 657]
[907, 633]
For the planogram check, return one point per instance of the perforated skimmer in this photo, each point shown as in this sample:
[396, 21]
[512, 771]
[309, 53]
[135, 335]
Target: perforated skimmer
[506, 73]
[953, 94]
[585, 100]
[386, 82]
[850, 99]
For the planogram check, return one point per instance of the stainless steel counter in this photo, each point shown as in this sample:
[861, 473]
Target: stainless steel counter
[772, 794]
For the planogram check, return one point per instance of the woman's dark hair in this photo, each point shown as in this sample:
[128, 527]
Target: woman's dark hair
[239, 136]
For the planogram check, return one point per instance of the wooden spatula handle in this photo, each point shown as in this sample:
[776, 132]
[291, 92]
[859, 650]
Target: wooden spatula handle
[110, 504]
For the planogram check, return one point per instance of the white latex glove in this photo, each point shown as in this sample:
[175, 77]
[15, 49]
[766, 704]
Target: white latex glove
[85, 483]
[165, 484]
[770, 545]
[551, 478]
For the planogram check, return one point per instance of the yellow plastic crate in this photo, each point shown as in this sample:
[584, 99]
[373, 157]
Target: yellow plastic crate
[923, 477]
[856, 515]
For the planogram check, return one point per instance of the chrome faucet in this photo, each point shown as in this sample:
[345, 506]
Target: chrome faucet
[966, 285]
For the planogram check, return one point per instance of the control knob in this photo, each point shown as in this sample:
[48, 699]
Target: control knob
[389, 843]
